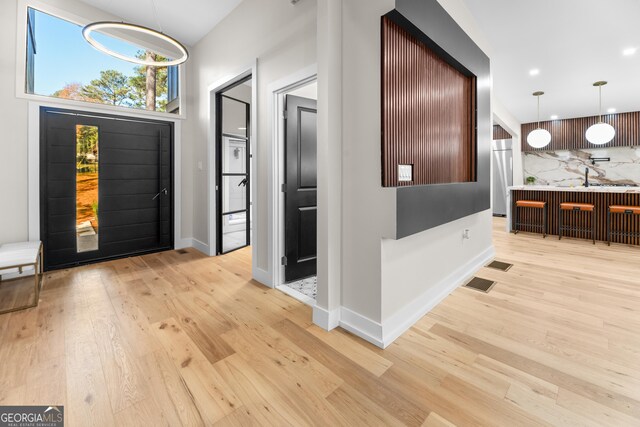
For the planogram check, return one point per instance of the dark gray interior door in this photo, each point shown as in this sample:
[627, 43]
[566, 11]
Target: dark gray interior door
[106, 187]
[300, 188]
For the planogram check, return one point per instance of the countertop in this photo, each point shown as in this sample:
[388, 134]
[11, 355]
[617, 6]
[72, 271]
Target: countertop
[597, 189]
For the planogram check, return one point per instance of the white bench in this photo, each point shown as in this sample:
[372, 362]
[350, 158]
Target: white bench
[21, 256]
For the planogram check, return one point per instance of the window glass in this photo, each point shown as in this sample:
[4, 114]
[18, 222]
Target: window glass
[87, 196]
[61, 64]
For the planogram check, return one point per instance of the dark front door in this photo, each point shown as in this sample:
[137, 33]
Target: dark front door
[300, 188]
[106, 187]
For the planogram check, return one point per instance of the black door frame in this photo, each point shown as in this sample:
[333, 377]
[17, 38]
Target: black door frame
[42, 168]
[220, 94]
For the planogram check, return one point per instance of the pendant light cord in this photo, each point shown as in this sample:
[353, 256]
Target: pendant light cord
[155, 15]
[538, 111]
[600, 103]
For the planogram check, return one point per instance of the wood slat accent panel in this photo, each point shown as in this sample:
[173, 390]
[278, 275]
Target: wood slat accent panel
[569, 134]
[500, 133]
[619, 222]
[428, 113]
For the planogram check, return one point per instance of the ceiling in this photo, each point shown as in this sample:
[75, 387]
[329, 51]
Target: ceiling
[573, 43]
[187, 20]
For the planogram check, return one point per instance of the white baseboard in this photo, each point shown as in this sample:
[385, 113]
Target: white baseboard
[361, 326]
[183, 243]
[326, 319]
[383, 334]
[262, 276]
[401, 321]
[202, 247]
[14, 274]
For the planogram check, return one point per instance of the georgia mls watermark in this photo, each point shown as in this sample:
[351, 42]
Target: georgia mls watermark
[31, 416]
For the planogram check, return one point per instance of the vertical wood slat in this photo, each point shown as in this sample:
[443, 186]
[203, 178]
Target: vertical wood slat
[569, 134]
[500, 133]
[428, 113]
[601, 200]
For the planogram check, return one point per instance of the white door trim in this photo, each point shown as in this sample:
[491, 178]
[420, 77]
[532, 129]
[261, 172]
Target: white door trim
[242, 73]
[33, 148]
[276, 91]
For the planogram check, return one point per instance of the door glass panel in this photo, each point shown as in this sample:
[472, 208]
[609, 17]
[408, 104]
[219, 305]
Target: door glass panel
[234, 231]
[87, 163]
[234, 194]
[234, 118]
[235, 155]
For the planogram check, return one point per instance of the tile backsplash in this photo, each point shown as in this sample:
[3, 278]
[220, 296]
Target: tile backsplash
[567, 167]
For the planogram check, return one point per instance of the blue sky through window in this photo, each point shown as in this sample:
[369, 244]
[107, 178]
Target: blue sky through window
[63, 56]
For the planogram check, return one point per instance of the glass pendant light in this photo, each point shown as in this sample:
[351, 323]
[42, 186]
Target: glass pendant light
[538, 138]
[601, 132]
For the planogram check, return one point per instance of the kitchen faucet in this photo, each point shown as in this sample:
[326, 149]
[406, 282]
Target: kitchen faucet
[586, 177]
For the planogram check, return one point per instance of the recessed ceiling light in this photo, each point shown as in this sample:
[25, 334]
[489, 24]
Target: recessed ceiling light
[611, 110]
[534, 72]
[554, 117]
[630, 51]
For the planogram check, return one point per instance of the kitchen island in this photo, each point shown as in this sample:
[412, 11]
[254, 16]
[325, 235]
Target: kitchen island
[600, 196]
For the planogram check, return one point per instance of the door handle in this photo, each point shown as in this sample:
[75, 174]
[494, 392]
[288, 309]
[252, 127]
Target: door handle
[163, 191]
[243, 183]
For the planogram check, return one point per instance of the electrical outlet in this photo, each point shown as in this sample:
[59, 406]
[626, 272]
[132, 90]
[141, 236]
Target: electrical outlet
[466, 234]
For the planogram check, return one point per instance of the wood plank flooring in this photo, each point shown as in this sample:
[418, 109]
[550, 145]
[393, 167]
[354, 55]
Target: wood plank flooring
[180, 339]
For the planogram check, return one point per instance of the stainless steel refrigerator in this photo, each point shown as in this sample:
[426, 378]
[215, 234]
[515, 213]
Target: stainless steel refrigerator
[502, 174]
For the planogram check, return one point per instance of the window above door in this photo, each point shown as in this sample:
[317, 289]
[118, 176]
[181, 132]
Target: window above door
[58, 63]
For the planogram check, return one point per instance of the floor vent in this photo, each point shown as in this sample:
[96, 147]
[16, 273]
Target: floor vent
[480, 284]
[499, 265]
[182, 251]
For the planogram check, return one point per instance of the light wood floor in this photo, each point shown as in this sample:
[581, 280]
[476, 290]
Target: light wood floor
[180, 339]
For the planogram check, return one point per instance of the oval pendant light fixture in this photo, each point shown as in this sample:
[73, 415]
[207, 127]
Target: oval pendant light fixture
[600, 133]
[538, 138]
[161, 39]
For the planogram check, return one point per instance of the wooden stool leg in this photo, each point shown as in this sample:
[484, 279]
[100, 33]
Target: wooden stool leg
[593, 226]
[517, 216]
[544, 221]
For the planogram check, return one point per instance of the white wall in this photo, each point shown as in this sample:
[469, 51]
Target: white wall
[388, 284]
[368, 208]
[13, 146]
[283, 39]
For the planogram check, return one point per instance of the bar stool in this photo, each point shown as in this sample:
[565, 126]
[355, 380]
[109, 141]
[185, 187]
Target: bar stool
[533, 204]
[577, 207]
[620, 209]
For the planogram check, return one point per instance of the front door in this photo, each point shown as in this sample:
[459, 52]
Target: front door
[300, 188]
[106, 187]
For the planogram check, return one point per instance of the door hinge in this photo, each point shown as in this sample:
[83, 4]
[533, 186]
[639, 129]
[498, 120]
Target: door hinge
[283, 261]
[284, 188]
[284, 114]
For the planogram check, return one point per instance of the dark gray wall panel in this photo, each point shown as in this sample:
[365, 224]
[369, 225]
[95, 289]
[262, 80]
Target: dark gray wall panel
[424, 207]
